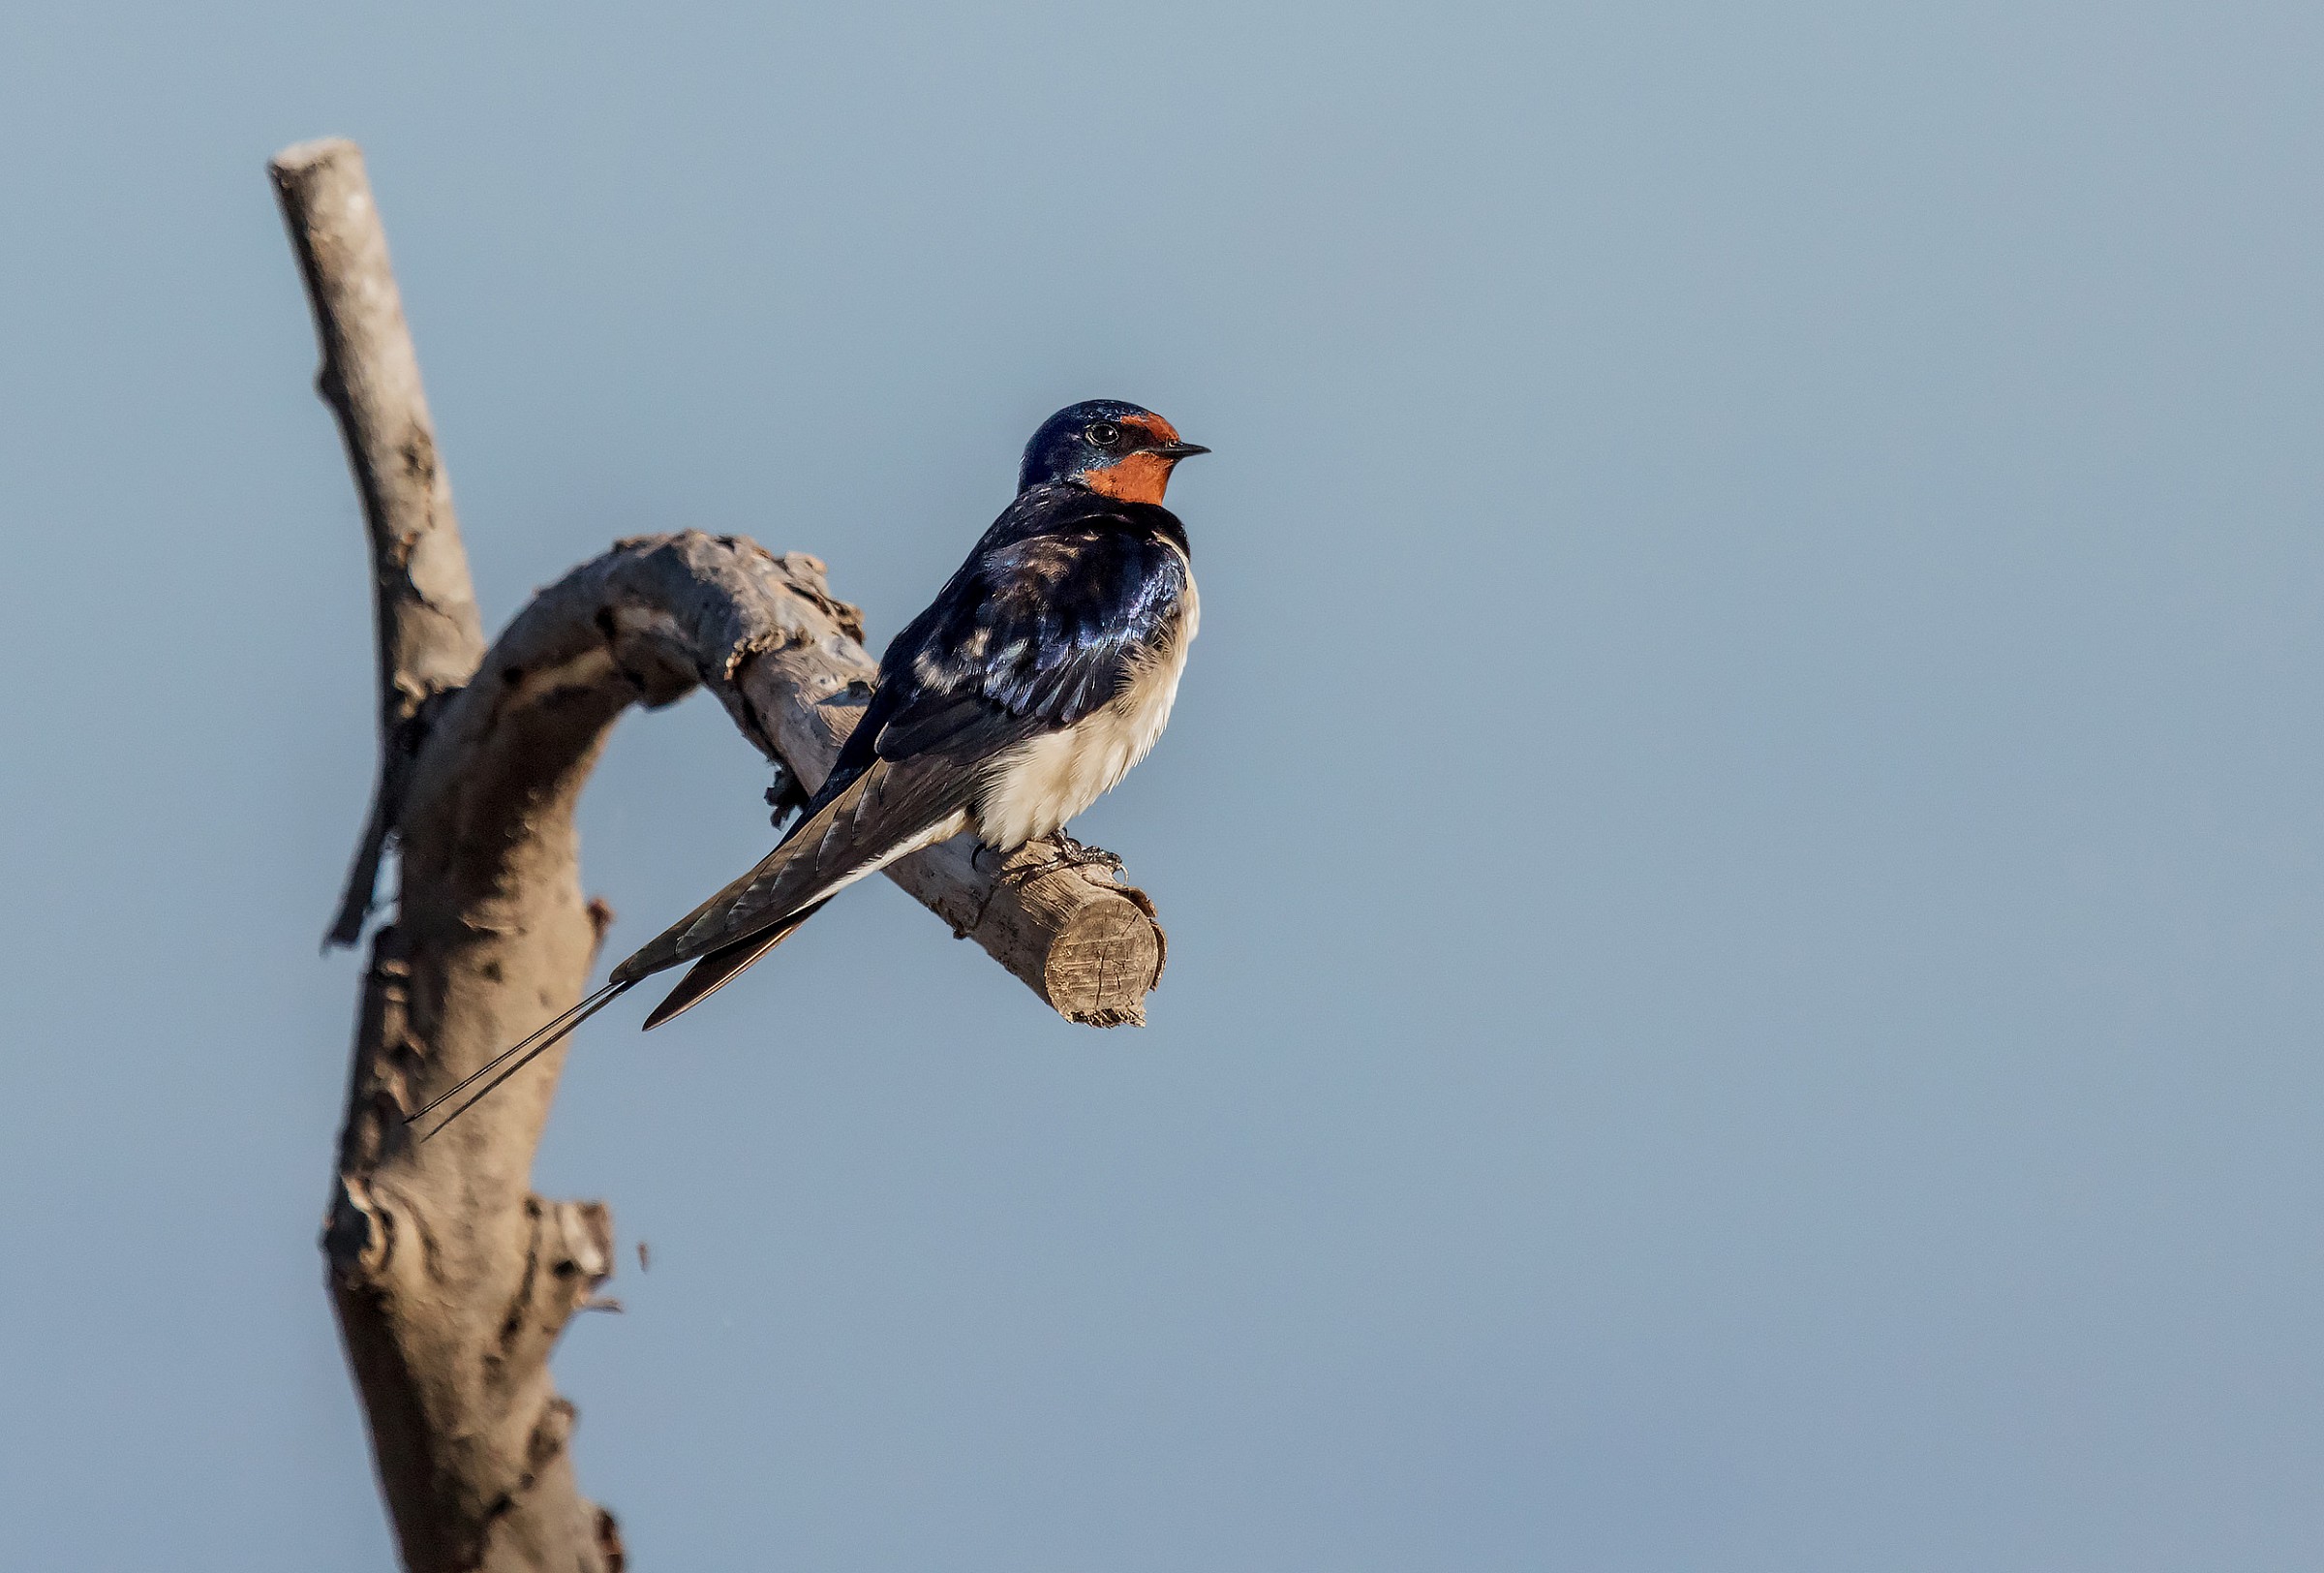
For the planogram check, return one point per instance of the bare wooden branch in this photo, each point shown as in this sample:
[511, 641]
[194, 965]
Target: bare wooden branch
[430, 637]
[451, 1279]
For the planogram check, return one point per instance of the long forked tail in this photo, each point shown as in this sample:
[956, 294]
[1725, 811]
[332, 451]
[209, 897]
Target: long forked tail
[887, 810]
[523, 1050]
[708, 976]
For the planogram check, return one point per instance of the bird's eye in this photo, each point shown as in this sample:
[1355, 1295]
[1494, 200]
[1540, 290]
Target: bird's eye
[1102, 434]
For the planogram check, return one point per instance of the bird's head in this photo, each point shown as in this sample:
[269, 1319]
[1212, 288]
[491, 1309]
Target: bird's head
[1107, 445]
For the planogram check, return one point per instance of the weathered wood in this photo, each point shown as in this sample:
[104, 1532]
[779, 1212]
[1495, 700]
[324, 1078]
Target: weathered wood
[430, 636]
[451, 1279]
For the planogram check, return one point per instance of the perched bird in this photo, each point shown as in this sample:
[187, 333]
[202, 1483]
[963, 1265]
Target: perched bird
[1044, 669]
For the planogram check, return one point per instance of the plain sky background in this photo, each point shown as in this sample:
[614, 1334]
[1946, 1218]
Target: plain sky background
[1742, 844]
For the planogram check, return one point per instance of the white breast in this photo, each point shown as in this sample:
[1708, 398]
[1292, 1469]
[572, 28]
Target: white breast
[1051, 778]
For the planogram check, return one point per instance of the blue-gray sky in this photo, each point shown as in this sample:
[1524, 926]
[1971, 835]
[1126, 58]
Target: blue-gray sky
[1741, 844]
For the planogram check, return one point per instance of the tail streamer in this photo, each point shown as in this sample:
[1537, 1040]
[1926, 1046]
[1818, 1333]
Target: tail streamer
[523, 1052]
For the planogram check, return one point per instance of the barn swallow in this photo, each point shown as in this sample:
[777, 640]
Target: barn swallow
[1044, 669]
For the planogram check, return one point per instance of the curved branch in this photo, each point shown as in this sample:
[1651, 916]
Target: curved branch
[451, 1279]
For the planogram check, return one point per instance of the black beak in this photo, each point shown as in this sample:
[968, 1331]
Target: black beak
[1178, 450]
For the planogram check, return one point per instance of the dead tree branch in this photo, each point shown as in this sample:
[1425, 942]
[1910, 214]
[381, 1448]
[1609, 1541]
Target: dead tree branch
[451, 1279]
[430, 637]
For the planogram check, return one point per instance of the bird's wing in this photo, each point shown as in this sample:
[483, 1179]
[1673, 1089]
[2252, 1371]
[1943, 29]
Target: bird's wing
[1031, 635]
[884, 813]
[1036, 629]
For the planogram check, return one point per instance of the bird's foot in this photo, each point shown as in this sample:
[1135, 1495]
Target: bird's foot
[1071, 854]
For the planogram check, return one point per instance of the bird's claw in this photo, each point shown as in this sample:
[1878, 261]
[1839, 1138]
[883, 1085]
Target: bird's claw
[1071, 854]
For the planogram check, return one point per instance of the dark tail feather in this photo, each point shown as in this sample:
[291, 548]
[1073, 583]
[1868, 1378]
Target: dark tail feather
[717, 970]
[523, 1050]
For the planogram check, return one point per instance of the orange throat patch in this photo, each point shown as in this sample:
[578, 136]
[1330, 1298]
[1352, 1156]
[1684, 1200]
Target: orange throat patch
[1141, 477]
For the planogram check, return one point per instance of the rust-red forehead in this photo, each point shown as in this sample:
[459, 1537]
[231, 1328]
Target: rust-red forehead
[1146, 420]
